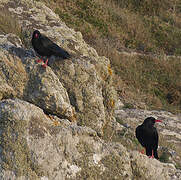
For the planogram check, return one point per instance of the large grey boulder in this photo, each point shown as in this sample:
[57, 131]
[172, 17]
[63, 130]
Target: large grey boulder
[23, 78]
[34, 145]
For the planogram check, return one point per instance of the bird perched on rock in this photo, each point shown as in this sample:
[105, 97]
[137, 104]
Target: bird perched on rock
[147, 135]
[43, 46]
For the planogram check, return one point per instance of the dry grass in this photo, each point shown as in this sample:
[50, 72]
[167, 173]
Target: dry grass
[154, 81]
[8, 23]
[125, 24]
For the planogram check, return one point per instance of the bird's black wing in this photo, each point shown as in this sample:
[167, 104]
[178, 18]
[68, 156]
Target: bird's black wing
[155, 138]
[46, 41]
[155, 144]
[140, 135]
[53, 48]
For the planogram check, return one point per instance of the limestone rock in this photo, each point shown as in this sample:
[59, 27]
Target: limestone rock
[34, 146]
[5, 90]
[45, 90]
[145, 168]
[85, 88]
[22, 78]
[86, 77]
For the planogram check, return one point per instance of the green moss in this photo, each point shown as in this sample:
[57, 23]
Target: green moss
[178, 165]
[16, 154]
[113, 166]
[128, 106]
[111, 163]
[88, 171]
[164, 157]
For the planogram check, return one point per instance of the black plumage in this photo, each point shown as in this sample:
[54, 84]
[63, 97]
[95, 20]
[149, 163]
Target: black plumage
[45, 47]
[147, 135]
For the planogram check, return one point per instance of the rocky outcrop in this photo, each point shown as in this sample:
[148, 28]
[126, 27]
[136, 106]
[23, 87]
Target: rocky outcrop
[86, 77]
[151, 168]
[35, 145]
[52, 120]
[25, 80]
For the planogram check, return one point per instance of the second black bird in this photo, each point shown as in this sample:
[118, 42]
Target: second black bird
[45, 47]
[147, 135]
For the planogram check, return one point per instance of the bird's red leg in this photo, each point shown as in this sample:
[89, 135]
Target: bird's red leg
[152, 156]
[45, 64]
[142, 151]
[39, 60]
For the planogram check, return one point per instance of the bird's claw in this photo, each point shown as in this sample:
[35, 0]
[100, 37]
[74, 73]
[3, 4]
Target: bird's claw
[39, 60]
[44, 65]
[151, 157]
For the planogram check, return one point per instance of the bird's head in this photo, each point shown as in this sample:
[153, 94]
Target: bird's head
[150, 121]
[36, 34]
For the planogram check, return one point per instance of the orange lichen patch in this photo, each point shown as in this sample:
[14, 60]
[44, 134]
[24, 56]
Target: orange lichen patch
[56, 123]
[111, 103]
[109, 70]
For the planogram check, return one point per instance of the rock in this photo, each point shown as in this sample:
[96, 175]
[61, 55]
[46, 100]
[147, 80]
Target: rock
[27, 81]
[85, 81]
[145, 168]
[88, 92]
[34, 146]
[12, 71]
[5, 90]
[45, 90]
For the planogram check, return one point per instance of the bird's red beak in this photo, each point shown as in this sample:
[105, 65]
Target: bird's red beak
[157, 120]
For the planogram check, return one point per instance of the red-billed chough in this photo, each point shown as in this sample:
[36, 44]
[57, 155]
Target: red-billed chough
[147, 135]
[45, 47]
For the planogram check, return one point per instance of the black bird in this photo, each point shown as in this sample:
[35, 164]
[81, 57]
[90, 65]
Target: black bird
[43, 46]
[147, 135]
